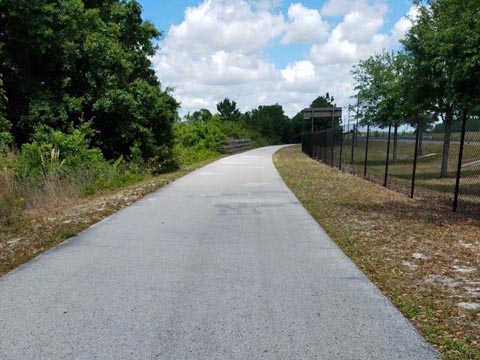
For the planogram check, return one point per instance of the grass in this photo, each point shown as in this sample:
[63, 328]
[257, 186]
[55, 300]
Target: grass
[428, 180]
[57, 211]
[469, 136]
[411, 249]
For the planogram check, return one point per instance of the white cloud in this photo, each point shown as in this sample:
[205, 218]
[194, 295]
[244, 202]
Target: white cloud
[361, 26]
[336, 50]
[305, 26]
[404, 24]
[301, 70]
[226, 25]
[219, 68]
[356, 37]
[337, 7]
[343, 7]
[221, 50]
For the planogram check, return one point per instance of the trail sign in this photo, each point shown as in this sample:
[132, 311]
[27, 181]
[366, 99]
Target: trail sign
[317, 113]
[322, 113]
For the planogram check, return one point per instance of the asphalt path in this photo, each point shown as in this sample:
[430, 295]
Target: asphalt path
[224, 263]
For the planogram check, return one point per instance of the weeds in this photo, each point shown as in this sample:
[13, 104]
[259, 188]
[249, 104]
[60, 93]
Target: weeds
[68, 233]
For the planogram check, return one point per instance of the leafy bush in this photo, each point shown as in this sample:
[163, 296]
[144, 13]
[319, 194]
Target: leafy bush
[201, 140]
[92, 59]
[240, 130]
[56, 168]
[197, 141]
[207, 135]
[62, 153]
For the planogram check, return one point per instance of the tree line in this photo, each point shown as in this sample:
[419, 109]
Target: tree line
[78, 71]
[65, 64]
[266, 121]
[434, 77]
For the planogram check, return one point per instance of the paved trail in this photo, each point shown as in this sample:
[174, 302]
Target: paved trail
[221, 264]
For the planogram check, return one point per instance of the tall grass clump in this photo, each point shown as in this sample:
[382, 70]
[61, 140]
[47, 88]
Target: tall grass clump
[55, 170]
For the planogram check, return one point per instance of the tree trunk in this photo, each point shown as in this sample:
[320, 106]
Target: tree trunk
[395, 143]
[446, 142]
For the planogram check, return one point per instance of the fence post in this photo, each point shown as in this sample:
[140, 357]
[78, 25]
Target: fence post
[312, 145]
[331, 146]
[460, 160]
[388, 155]
[353, 143]
[341, 149]
[414, 173]
[366, 152]
[325, 146]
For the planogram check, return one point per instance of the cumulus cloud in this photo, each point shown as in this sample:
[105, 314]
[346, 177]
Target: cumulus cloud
[221, 49]
[404, 24]
[343, 7]
[305, 26]
[226, 25]
[337, 7]
[300, 70]
[360, 26]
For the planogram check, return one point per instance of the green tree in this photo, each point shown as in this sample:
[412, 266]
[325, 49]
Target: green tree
[5, 136]
[271, 122]
[202, 115]
[444, 44]
[299, 126]
[228, 110]
[326, 101]
[65, 61]
[323, 101]
[381, 92]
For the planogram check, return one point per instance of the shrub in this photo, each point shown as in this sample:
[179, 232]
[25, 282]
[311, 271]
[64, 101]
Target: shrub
[197, 141]
[55, 151]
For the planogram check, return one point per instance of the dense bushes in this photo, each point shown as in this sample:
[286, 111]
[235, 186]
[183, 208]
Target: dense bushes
[57, 168]
[81, 108]
[65, 62]
[196, 141]
[59, 152]
[200, 140]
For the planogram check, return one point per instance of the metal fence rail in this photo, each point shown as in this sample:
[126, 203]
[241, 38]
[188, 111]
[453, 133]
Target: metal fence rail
[409, 164]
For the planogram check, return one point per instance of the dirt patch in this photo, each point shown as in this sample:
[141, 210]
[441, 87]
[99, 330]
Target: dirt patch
[422, 256]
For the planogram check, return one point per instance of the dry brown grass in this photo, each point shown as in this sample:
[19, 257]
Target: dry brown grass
[422, 256]
[56, 211]
[35, 197]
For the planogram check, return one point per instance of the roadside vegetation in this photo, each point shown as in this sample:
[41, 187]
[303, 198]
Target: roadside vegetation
[431, 81]
[428, 182]
[424, 258]
[84, 116]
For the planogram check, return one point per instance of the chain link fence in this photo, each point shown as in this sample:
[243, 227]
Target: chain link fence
[413, 164]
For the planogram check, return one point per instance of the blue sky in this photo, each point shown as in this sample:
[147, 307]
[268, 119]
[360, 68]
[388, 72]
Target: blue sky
[287, 51]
